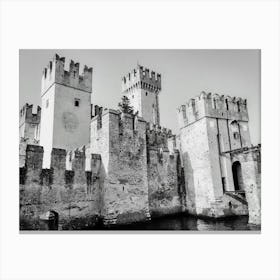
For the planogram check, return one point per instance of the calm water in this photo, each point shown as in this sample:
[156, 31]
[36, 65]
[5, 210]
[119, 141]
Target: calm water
[188, 223]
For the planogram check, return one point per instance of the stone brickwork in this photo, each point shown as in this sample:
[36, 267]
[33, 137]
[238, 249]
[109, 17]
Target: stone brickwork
[142, 88]
[120, 166]
[29, 124]
[165, 190]
[66, 107]
[211, 127]
[55, 73]
[120, 139]
[250, 160]
[70, 193]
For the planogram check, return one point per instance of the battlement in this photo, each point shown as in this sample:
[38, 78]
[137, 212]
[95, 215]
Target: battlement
[143, 78]
[55, 73]
[212, 105]
[160, 137]
[101, 115]
[27, 114]
[34, 172]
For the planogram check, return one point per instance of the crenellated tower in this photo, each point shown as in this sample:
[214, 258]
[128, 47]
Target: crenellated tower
[142, 87]
[66, 106]
[212, 127]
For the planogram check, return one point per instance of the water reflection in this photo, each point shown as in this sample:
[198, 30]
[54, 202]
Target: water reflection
[189, 223]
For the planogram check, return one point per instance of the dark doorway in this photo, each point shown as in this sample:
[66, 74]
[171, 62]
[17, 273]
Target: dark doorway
[237, 176]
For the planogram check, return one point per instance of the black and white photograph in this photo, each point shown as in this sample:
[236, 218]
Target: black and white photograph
[139, 140]
[112, 144]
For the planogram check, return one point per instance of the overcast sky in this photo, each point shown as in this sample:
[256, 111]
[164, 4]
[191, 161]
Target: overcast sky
[185, 73]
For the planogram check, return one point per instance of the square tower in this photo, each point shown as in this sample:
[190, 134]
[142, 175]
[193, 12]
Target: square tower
[66, 107]
[142, 88]
[211, 127]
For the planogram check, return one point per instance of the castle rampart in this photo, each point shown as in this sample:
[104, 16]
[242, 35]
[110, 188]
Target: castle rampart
[74, 198]
[165, 190]
[27, 114]
[55, 73]
[120, 138]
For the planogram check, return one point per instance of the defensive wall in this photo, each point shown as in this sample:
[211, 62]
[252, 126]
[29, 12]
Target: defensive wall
[141, 167]
[73, 194]
[165, 179]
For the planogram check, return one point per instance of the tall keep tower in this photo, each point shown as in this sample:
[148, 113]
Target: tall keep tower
[66, 107]
[142, 87]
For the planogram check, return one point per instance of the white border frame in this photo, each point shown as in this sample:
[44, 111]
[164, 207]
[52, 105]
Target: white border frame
[155, 24]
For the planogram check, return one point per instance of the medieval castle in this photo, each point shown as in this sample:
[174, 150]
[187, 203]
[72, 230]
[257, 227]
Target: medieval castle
[84, 164]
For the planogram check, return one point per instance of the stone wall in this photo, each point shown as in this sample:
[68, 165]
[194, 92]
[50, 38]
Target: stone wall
[250, 160]
[73, 194]
[211, 127]
[197, 166]
[29, 124]
[55, 72]
[121, 140]
[166, 193]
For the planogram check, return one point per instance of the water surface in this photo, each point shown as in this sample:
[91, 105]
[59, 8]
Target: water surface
[186, 222]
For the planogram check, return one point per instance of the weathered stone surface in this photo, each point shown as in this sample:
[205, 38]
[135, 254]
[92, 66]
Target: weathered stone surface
[163, 183]
[214, 138]
[125, 185]
[130, 168]
[74, 202]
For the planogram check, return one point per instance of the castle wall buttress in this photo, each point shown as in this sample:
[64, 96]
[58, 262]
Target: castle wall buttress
[196, 156]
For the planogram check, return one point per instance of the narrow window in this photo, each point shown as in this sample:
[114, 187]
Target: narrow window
[227, 104]
[224, 183]
[77, 102]
[146, 93]
[238, 106]
[47, 103]
[74, 74]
